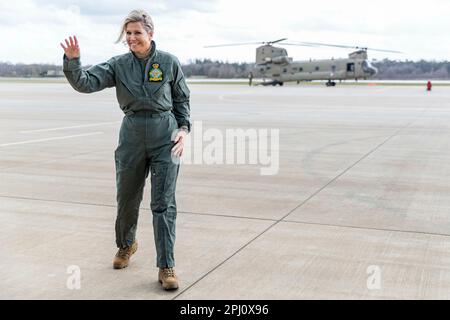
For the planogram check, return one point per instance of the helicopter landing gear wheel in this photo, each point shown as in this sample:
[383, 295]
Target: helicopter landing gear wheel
[280, 83]
[330, 83]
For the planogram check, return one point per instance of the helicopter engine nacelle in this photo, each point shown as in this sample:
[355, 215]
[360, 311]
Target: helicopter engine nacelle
[360, 54]
[281, 60]
[267, 53]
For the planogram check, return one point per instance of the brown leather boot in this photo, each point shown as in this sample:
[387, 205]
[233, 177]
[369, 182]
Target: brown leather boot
[122, 257]
[168, 278]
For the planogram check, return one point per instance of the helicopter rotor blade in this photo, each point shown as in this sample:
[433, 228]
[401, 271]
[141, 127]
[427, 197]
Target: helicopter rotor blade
[348, 47]
[328, 45]
[233, 44]
[279, 40]
[384, 50]
[297, 44]
[245, 43]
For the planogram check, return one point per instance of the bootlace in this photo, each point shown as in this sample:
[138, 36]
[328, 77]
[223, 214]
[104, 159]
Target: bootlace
[124, 253]
[169, 272]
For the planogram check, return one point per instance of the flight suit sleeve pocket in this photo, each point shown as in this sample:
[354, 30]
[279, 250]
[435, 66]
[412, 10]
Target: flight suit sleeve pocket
[182, 89]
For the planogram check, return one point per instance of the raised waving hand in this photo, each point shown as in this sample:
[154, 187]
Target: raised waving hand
[72, 50]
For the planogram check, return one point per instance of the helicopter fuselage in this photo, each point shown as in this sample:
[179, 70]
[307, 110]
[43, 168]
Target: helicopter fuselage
[274, 65]
[280, 68]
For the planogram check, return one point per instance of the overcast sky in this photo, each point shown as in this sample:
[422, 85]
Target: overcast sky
[31, 30]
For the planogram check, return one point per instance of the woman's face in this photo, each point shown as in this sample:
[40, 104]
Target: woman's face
[138, 39]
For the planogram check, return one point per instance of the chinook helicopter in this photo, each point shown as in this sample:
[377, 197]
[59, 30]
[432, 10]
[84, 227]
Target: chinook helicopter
[274, 63]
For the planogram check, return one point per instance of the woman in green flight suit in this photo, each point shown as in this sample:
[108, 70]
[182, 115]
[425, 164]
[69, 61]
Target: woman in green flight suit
[152, 92]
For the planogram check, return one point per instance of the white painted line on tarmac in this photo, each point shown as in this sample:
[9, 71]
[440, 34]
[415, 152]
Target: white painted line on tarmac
[49, 139]
[72, 127]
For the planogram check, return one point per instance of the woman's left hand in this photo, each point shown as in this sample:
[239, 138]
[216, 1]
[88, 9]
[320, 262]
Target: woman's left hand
[177, 150]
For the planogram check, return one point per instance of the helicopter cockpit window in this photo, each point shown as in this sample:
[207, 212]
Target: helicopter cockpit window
[350, 67]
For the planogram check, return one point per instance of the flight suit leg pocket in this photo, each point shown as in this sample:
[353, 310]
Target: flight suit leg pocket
[163, 185]
[123, 158]
[129, 154]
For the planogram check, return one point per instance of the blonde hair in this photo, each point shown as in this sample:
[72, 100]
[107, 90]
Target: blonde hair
[137, 16]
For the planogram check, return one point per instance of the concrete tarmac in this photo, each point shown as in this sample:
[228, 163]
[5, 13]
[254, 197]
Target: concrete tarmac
[359, 207]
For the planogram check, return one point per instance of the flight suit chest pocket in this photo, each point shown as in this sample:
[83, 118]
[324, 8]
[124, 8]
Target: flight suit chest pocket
[158, 81]
[159, 90]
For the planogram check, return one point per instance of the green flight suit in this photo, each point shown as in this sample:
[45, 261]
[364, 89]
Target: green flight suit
[155, 99]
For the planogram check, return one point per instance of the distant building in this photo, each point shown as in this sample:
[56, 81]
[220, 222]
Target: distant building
[54, 73]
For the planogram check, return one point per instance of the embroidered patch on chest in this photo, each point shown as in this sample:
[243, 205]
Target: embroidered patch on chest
[155, 74]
